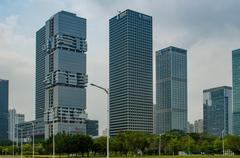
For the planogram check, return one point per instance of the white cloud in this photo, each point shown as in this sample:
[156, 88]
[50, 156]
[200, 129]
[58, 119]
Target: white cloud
[17, 65]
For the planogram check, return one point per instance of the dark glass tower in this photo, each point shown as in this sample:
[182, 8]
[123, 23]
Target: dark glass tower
[171, 89]
[40, 74]
[130, 50]
[217, 110]
[236, 91]
[3, 109]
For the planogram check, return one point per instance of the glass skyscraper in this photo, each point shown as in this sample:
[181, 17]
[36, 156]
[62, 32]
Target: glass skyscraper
[40, 74]
[236, 91]
[130, 58]
[217, 110]
[4, 109]
[171, 90]
[63, 43]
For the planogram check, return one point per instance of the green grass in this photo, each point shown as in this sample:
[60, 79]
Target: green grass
[199, 156]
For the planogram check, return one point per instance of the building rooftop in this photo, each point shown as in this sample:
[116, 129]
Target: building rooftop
[217, 88]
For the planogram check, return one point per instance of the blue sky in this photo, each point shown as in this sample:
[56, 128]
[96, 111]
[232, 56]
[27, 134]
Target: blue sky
[209, 30]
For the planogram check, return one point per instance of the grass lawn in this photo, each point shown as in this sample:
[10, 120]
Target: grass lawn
[199, 156]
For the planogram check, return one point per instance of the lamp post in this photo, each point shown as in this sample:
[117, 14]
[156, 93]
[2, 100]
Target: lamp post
[159, 149]
[21, 142]
[53, 123]
[32, 139]
[223, 150]
[107, 92]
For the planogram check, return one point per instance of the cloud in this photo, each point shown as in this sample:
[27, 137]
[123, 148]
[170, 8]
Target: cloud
[17, 65]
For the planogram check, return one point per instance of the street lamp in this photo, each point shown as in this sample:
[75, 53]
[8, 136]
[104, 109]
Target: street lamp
[159, 150]
[52, 110]
[223, 141]
[107, 92]
[21, 141]
[33, 138]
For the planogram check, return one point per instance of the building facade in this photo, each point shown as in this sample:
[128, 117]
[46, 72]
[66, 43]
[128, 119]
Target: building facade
[171, 89]
[92, 127]
[217, 110]
[236, 90]
[130, 76]
[65, 73]
[198, 126]
[14, 120]
[25, 130]
[40, 74]
[190, 128]
[4, 92]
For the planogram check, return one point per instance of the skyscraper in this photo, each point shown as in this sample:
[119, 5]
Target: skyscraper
[236, 90]
[198, 126]
[14, 120]
[130, 50]
[40, 73]
[3, 109]
[171, 89]
[65, 73]
[217, 110]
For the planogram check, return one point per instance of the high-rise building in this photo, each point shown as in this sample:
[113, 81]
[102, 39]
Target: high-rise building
[236, 90]
[171, 89]
[92, 127]
[130, 78]
[198, 126]
[14, 120]
[40, 74]
[65, 73]
[217, 110]
[4, 109]
[190, 127]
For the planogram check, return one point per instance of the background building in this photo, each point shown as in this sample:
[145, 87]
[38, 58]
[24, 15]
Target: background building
[190, 128]
[14, 120]
[65, 73]
[92, 127]
[217, 110]
[236, 91]
[130, 76]
[171, 89]
[4, 109]
[198, 126]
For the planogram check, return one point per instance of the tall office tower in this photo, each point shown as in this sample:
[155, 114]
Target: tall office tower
[131, 96]
[236, 91]
[217, 110]
[171, 89]
[65, 74]
[3, 109]
[40, 74]
[198, 126]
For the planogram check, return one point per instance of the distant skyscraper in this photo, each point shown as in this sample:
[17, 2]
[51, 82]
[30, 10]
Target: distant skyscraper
[236, 91]
[190, 127]
[171, 89]
[217, 110]
[14, 120]
[198, 126]
[130, 50]
[40, 73]
[65, 73]
[3, 109]
[92, 127]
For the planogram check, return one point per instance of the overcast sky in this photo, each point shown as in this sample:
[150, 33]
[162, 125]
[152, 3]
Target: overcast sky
[209, 30]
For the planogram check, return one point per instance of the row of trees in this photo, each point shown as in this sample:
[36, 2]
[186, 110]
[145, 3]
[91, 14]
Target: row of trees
[133, 143]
